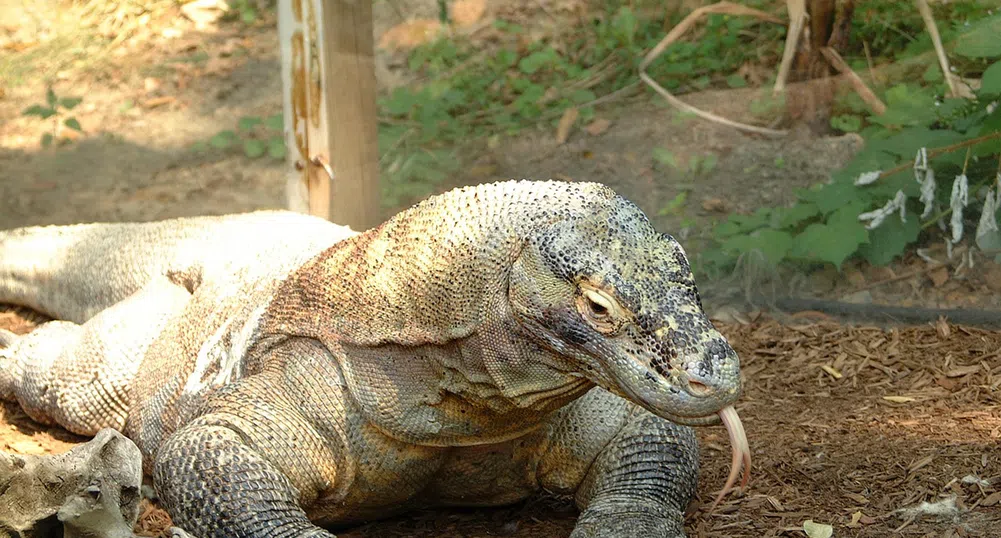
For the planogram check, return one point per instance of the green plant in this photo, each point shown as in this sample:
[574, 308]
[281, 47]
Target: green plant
[898, 189]
[54, 108]
[469, 93]
[254, 136]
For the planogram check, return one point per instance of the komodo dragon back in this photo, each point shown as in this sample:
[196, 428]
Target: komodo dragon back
[474, 348]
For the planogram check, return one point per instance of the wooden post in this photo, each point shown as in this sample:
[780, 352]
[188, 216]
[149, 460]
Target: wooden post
[328, 87]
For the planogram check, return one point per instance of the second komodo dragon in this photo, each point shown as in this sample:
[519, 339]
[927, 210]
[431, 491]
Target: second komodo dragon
[281, 373]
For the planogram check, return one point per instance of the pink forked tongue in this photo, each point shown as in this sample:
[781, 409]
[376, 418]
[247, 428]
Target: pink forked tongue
[741, 452]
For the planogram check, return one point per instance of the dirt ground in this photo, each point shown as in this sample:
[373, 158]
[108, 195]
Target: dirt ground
[826, 443]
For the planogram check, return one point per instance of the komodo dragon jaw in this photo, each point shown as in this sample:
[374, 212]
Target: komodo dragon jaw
[620, 299]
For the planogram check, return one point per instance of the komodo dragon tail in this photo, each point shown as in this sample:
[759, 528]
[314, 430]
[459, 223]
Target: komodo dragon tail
[73, 272]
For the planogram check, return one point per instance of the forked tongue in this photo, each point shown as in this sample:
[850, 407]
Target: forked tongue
[741, 452]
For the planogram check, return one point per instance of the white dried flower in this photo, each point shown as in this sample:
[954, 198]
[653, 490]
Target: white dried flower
[959, 199]
[928, 192]
[876, 218]
[867, 178]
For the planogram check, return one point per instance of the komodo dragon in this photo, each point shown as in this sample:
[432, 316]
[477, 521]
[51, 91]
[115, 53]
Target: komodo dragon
[281, 373]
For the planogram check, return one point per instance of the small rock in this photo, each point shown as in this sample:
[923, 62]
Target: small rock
[939, 276]
[91, 490]
[714, 205]
[598, 126]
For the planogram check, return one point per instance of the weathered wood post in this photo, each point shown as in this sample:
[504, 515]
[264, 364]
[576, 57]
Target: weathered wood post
[328, 89]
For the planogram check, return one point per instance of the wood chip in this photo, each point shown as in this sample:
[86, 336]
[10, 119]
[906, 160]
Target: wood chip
[939, 276]
[566, 123]
[598, 126]
[832, 371]
[992, 499]
[898, 399]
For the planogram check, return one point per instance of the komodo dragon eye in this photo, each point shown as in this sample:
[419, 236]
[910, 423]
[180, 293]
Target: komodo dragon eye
[599, 309]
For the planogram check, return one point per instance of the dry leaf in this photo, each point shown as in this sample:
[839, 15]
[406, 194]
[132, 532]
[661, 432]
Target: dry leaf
[942, 326]
[151, 84]
[204, 13]
[861, 499]
[729, 314]
[855, 519]
[898, 399]
[992, 499]
[831, 370]
[26, 447]
[963, 370]
[598, 126]
[410, 34]
[159, 101]
[817, 530]
[716, 205]
[939, 276]
[467, 12]
[566, 123]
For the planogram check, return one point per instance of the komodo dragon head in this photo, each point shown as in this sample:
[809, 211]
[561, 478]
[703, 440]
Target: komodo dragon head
[619, 298]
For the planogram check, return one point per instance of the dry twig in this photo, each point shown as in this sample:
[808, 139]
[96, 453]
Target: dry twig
[676, 32]
[936, 39]
[797, 20]
[863, 91]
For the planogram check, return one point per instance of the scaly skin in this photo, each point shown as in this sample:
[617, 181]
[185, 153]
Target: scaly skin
[279, 372]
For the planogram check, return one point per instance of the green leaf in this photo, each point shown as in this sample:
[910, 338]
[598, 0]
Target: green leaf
[990, 82]
[736, 81]
[890, 239]
[535, 61]
[276, 122]
[932, 74]
[674, 205]
[773, 244]
[276, 148]
[580, 96]
[665, 157]
[40, 111]
[72, 123]
[625, 25]
[50, 97]
[248, 15]
[247, 123]
[46, 140]
[835, 241]
[792, 216]
[401, 102]
[848, 123]
[222, 139]
[69, 103]
[253, 148]
[980, 40]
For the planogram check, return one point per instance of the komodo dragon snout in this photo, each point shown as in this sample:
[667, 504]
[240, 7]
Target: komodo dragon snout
[619, 298]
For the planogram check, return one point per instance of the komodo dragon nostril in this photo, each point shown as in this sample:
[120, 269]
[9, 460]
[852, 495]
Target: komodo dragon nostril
[699, 389]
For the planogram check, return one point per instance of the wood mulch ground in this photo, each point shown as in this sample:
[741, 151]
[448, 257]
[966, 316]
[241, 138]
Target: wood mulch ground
[877, 432]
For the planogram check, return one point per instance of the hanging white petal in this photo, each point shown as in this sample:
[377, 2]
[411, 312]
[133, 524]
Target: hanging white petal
[959, 199]
[988, 236]
[867, 178]
[876, 218]
[928, 192]
[920, 164]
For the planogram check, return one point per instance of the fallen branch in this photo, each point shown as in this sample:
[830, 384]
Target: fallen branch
[936, 40]
[727, 8]
[797, 20]
[863, 91]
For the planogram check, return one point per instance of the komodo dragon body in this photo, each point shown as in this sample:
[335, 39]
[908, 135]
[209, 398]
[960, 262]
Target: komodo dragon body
[281, 373]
